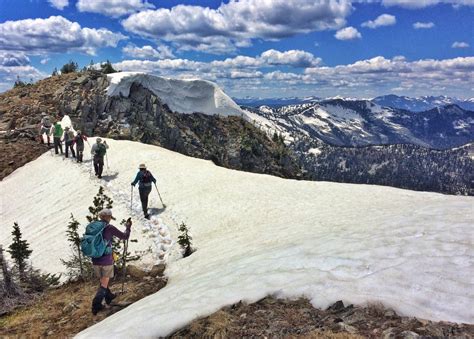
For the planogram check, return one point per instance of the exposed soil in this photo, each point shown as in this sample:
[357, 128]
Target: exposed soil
[272, 318]
[18, 152]
[65, 311]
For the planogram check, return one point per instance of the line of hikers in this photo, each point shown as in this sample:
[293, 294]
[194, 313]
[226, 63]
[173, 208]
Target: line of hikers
[97, 241]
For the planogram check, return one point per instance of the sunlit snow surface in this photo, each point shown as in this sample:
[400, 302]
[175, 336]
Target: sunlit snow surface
[257, 235]
[182, 96]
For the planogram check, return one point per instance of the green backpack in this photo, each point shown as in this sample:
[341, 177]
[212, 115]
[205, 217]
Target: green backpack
[100, 150]
[93, 244]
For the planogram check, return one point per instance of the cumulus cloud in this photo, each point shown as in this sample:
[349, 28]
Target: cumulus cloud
[148, 52]
[45, 61]
[348, 33]
[295, 58]
[423, 25]
[234, 24]
[113, 8]
[460, 44]
[382, 20]
[54, 34]
[59, 4]
[9, 59]
[416, 4]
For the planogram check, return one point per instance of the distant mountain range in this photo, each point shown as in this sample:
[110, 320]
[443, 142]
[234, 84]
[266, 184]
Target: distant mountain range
[401, 102]
[357, 123]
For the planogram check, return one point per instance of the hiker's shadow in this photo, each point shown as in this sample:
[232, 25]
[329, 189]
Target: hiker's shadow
[110, 176]
[155, 211]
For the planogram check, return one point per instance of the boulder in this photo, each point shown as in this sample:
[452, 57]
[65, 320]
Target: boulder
[157, 270]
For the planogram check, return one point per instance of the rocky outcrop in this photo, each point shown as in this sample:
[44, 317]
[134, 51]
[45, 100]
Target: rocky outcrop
[142, 116]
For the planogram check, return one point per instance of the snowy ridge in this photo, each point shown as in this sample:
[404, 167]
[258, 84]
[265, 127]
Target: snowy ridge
[256, 235]
[182, 96]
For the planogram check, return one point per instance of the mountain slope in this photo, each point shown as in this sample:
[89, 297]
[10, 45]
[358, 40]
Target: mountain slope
[257, 235]
[193, 117]
[420, 104]
[357, 123]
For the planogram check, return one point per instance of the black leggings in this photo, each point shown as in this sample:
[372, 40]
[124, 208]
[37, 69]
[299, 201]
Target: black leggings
[98, 165]
[144, 193]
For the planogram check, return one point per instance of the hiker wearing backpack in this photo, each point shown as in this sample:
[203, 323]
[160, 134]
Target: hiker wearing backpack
[97, 244]
[79, 141]
[57, 132]
[98, 151]
[145, 179]
[45, 128]
[69, 141]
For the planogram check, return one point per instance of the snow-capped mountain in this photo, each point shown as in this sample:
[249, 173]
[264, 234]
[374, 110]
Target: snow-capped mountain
[423, 103]
[274, 102]
[255, 235]
[361, 123]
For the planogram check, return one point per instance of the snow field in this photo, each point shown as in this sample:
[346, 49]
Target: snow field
[59, 187]
[183, 96]
[257, 235]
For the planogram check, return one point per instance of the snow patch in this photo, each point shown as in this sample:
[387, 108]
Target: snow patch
[182, 96]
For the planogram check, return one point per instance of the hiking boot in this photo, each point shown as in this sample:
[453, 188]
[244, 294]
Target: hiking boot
[147, 216]
[109, 296]
[97, 301]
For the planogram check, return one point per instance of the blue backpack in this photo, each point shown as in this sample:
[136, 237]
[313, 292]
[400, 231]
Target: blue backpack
[93, 243]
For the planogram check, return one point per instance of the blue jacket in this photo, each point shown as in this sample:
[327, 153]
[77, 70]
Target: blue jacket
[139, 178]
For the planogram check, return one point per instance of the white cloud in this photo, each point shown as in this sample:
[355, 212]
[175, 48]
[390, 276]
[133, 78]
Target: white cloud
[234, 24]
[45, 61]
[382, 20]
[54, 34]
[113, 8]
[416, 4]
[148, 52]
[373, 76]
[460, 44]
[348, 33]
[12, 59]
[59, 4]
[295, 58]
[423, 25]
[26, 73]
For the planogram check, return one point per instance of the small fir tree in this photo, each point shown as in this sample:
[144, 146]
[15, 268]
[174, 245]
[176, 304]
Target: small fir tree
[70, 67]
[184, 240]
[100, 202]
[78, 266]
[55, 72]
[107, 68]
[9, 287]
[19, 251]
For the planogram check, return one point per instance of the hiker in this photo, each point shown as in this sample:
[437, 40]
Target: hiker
[79, 141]
[45, 128]
[104, 265]
[98, 150]
[69, 141]
[144, 187]
[57, 132]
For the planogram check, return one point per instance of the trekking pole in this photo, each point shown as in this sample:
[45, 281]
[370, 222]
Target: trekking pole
[159, 195]
[124, 262]
[107, 161]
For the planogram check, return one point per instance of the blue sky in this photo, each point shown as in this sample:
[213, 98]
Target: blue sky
[259, 48]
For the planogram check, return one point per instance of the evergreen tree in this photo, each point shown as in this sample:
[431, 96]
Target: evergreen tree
[184, 240]
[19, 251]
[107, 68]
[100, 202]
[19, 82]
[9, 287]
[78, 266]
[55, 72]
[70, 67]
